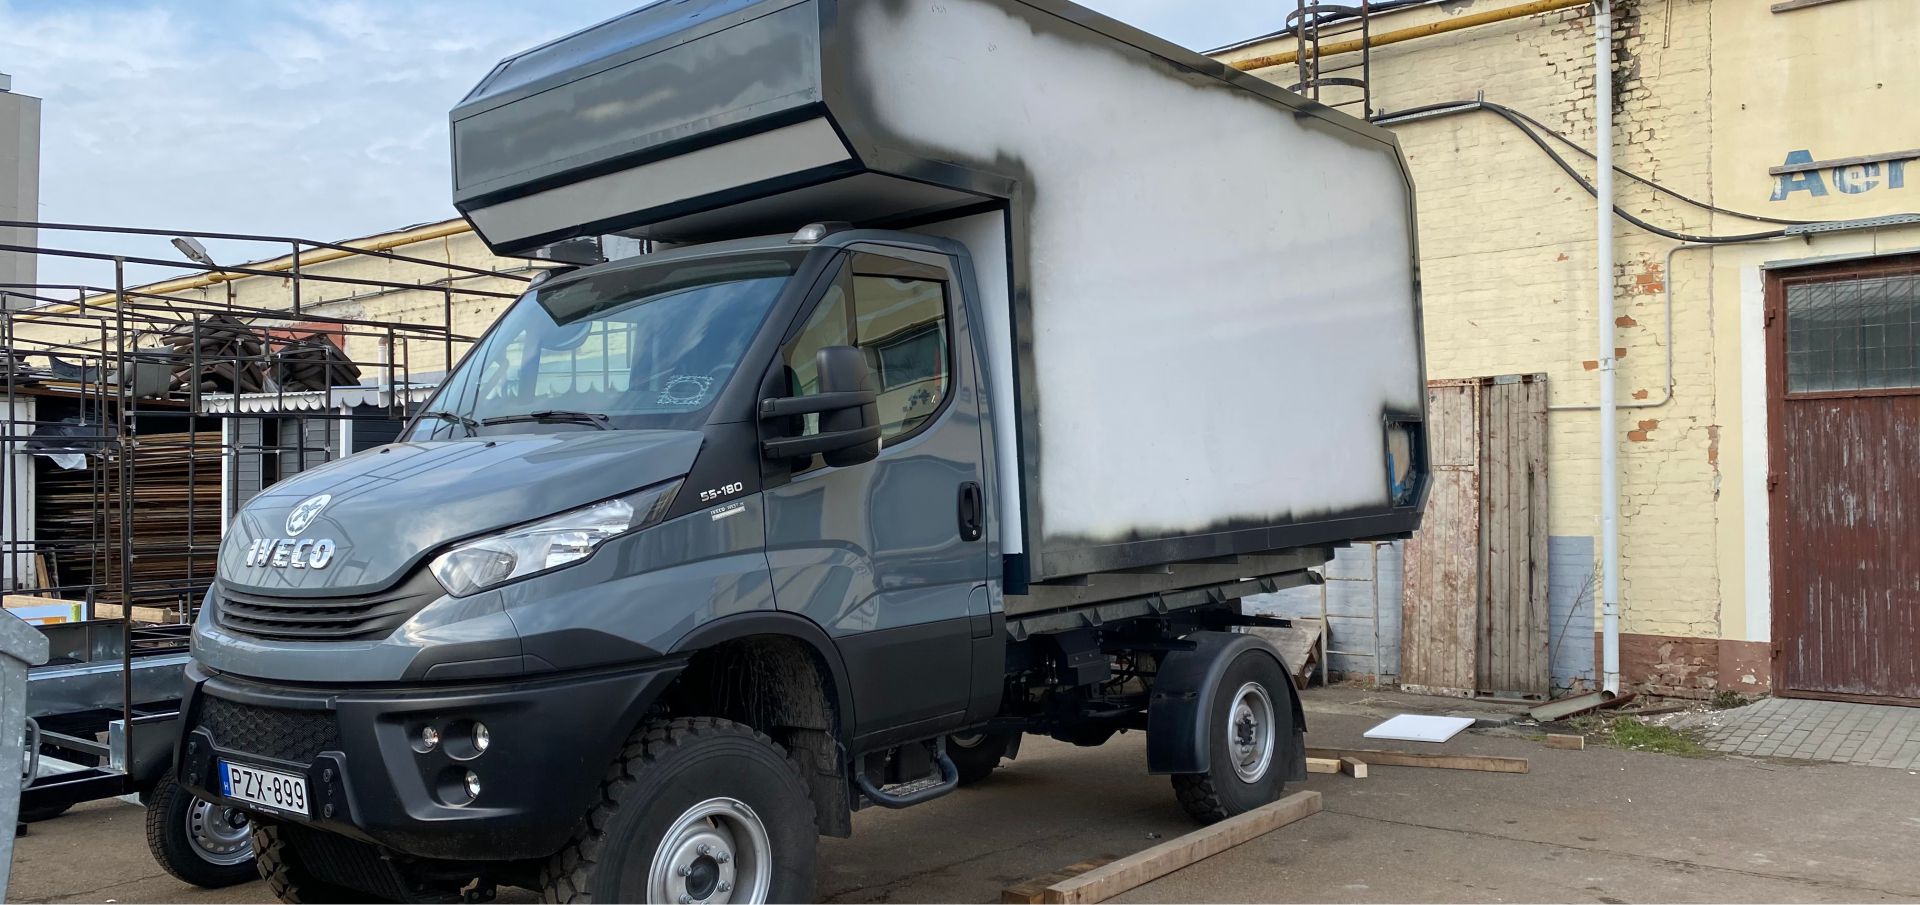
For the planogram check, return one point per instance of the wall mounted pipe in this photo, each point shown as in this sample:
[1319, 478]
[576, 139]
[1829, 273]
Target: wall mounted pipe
[1418, 31]
[1603, 285]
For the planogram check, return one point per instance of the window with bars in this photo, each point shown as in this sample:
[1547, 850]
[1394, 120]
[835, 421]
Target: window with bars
[1858, 333]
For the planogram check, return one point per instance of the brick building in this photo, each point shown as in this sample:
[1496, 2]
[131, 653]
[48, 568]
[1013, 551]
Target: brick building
[1791, 110]
[1724, 582]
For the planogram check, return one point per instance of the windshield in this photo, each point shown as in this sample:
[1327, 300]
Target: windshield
[646, 346]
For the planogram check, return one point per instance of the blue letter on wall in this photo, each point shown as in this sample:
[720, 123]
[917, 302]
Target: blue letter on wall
[1809, 181]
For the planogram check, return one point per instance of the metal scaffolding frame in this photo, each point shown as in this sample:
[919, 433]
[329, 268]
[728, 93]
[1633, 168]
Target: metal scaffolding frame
[127, 367]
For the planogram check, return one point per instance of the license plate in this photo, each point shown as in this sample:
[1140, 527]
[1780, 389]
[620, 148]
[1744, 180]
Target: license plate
[279, 791]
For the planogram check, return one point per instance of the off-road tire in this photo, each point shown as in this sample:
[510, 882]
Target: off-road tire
[978, 762]
[666, 767]
[1220, 793]
[279, 865]
[168, 840]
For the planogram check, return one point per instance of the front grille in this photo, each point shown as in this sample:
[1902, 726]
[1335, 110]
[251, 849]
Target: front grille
[325, 618]
[276, 732]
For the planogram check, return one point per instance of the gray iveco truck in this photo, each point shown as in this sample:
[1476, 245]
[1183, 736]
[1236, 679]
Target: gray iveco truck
[996, 352]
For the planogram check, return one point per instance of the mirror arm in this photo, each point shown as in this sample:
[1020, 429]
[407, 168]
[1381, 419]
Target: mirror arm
[816, 403]
[796, 447]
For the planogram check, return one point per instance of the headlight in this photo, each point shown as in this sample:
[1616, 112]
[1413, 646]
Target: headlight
[549, 543]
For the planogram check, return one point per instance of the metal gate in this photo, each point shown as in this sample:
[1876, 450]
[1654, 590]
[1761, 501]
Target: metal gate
[1844, 413]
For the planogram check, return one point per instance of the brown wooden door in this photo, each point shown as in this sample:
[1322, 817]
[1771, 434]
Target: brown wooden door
[1844, 400]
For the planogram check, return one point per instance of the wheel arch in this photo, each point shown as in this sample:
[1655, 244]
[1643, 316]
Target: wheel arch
[1177, 737]
[796, 691]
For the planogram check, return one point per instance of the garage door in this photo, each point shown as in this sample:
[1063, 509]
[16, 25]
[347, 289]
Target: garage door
[1845, 479]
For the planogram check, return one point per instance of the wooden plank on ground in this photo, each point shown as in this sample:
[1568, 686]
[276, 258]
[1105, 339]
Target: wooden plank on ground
[1033, 890]
[1103, 883]
[1568, 742]
[1354, 767]
[1381, 758]
[1323, 765]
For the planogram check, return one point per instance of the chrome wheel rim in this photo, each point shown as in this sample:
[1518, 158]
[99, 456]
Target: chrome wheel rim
[718, 851]
[218, 833]
[1250, 732]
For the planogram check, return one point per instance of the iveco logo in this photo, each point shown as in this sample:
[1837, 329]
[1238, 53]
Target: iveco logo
[295, 552]
[308, 510]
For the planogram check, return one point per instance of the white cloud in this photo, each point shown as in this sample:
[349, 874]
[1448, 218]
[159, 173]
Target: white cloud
[321, 119]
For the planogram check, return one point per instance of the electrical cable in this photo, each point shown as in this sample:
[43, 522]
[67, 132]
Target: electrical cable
[1565, 167]
[1588, 152]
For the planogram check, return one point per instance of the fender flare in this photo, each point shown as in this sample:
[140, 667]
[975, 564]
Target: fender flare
[778, 622]
[1178, 740]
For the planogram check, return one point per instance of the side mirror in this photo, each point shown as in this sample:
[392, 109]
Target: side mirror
[848, 407]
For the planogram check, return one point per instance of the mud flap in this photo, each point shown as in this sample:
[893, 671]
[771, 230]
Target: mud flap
[1177, 737]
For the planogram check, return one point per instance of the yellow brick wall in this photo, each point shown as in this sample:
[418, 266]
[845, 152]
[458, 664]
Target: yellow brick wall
[1709, 94]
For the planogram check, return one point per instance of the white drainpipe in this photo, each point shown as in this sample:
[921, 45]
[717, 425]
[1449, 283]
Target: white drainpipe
[1603, 270]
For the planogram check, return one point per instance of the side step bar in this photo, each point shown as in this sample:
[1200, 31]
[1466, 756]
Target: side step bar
[908, 794]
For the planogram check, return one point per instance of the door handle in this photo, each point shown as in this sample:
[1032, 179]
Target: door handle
[972, 512]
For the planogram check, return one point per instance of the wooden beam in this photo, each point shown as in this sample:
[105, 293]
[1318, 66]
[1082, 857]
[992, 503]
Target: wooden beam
[1323, 765]
[1567, 742]
[1103, 883]
[1354, 767]
[1033, 891]
[1381, 758]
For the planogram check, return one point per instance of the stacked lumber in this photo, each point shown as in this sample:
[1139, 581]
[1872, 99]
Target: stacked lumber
[175, 486]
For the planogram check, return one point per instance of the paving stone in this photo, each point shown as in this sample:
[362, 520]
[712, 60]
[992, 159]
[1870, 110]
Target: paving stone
[1837, 731]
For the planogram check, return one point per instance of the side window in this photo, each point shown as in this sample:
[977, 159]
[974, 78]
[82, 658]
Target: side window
[901, 325]
[896, 313]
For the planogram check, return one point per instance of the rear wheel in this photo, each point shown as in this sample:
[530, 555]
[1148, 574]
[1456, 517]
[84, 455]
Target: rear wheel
[694, 810]
[197, 841]
[1249, 729]
[976, 754]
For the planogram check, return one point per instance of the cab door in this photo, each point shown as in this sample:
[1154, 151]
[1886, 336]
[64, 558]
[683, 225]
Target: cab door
[888, 555]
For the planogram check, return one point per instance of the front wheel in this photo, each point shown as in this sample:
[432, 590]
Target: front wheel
[694, 810]
[1250, 733]
[197, 841]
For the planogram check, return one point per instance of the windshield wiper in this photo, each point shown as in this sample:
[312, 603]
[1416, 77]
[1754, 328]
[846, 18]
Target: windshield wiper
[552, 416]
[455, 417]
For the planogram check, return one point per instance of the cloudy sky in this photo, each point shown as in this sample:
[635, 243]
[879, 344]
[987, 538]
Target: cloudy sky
[319, 119]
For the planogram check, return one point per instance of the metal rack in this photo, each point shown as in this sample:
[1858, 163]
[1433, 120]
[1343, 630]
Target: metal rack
[138, 387]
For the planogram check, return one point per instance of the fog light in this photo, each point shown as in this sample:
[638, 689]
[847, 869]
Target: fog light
[429, 738]
[473, 784]
[481, 737]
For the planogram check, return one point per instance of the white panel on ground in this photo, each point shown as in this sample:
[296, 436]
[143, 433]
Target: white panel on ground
[1222, 293]
[1416, 727]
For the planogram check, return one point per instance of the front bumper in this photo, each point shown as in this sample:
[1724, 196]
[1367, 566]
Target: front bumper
[551, 742]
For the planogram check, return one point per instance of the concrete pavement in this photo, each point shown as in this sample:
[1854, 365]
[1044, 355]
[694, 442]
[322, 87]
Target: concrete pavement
[1599, 825]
